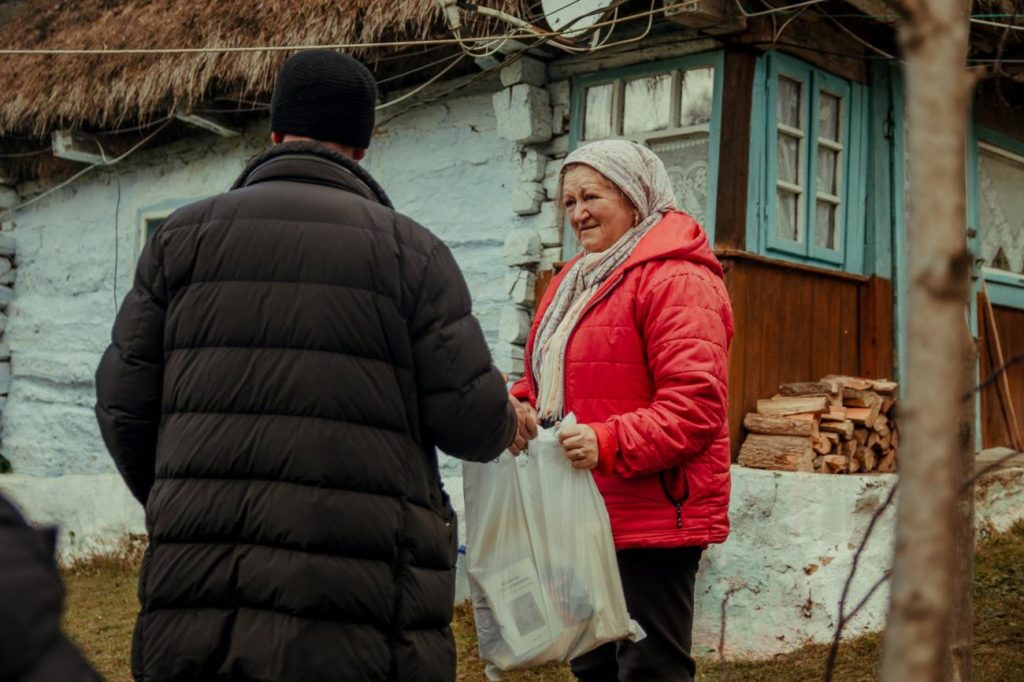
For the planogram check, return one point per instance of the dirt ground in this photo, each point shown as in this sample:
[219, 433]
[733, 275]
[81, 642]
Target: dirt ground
[101, 606]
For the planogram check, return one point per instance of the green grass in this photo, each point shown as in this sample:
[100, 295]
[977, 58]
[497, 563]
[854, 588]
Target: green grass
[101, 607]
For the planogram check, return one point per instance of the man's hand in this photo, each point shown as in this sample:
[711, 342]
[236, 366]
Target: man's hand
[580, 443]
[527, 429]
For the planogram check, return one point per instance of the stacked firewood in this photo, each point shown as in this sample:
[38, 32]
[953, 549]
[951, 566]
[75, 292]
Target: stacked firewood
[837, 425]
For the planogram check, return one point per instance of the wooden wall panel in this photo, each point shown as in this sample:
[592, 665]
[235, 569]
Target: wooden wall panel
[1010, 324]
[799, 324]
[734, 150]
[876, 337]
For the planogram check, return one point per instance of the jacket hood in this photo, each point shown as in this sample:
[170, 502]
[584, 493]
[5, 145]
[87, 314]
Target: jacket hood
[677, 236]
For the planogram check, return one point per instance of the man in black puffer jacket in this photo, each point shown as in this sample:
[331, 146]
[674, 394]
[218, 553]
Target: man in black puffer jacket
[290, 356]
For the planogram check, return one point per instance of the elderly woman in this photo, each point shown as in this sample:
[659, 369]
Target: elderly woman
[632, 337]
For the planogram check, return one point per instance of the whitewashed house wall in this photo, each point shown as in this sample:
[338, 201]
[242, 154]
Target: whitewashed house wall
[442, 164]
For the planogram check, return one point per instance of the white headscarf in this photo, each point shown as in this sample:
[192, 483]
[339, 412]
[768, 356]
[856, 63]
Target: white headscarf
[642, 177]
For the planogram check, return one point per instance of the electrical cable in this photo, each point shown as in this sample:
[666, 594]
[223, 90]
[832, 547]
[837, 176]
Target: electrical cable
[533, 35]
[117, 214]
[89, 169]
[545, 39]
[998, 24]
[861, 40]
[776, 10]
[21, 155]
[423, 85]
[626, 41]
[418, 68]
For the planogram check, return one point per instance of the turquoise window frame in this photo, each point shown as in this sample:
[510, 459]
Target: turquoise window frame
[1004, 288]
[761, 236]
[715, 60]
[159, 211]
[899, 222]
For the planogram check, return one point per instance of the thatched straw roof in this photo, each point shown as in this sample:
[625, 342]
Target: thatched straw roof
[42, 93]
[101, 92]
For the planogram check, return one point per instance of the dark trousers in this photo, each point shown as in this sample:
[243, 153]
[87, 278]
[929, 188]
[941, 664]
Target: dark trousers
[658, 585]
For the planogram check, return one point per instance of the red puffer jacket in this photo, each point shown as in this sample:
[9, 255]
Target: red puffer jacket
[646, 368]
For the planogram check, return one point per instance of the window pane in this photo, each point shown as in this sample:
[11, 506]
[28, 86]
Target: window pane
[787, 216]
[1002, 210]
[789, 102]
[828, 116]
[598, 121]
[825, 225]
[152, 224]
[697, 92]
[828, 162]
[648, 104]
[687, 162]
[788, 158]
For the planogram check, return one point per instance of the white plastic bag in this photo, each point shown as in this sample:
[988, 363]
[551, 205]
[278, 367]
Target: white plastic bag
[541, 562]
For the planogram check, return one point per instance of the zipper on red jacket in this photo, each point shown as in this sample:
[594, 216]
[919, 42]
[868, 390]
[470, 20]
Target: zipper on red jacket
[677, 503]
[594, 301]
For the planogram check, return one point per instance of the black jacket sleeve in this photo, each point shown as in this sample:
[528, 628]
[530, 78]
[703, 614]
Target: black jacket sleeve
[464, 407]
[130, 376]
[32, 647]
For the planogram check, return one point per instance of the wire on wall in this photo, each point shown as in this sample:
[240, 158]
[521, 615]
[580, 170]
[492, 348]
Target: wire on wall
[88, 169]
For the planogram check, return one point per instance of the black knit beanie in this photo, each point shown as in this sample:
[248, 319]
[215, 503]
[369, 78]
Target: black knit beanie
[327, 96]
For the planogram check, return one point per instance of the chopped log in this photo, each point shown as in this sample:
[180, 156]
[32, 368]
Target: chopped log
[894, 439]
[844, 428]
[778, 426]
[855, 398]
[781, 453]
[863, 415]
[836, 414]
[849, 447]
[887, 403]
[885, 441]
[884, 386]
[835, 464]
[887, 464]
[860, 436]
[817, 462]
[873, 440]
[866, 457]
[821, 445]
[832, 436]
[881, 425]
[857, 383]
[794, 405]
[855, 466]
[803, 416]
[810, 388]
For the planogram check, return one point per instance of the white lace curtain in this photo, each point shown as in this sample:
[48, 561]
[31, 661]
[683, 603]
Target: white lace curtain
[1001, 184]
[642, 109]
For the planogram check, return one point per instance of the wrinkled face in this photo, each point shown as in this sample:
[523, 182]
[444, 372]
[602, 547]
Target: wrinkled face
[598, 211]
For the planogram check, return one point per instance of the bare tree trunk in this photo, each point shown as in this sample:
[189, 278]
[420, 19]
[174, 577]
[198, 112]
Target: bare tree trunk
[934, 38]
[961, 631]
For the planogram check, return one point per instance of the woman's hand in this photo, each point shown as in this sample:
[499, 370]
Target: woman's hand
[527, 427]
[580, 443]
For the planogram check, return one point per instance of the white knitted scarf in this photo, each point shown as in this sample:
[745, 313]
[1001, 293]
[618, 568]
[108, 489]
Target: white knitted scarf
[642, 177]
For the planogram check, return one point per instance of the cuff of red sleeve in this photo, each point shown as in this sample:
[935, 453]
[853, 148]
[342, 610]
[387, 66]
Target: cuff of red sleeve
[607, 448]
[521, 392]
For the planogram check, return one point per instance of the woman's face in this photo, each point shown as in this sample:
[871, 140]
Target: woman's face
[598, 211]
